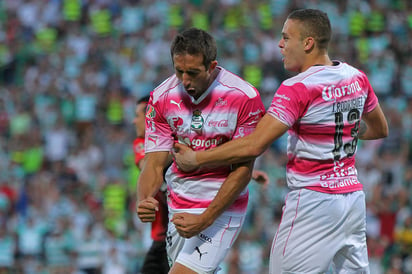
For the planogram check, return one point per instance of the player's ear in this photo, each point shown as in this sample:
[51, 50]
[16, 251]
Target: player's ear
[212, 66]
[309, 43]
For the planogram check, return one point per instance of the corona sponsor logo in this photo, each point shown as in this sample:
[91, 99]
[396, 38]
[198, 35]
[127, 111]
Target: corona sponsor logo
[205, 144]
[331, 93]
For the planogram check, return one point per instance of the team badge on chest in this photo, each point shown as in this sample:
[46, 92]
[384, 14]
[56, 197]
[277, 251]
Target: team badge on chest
[197, 121]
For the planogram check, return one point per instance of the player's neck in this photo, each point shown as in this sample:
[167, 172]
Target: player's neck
[322, 60]
[213, 76]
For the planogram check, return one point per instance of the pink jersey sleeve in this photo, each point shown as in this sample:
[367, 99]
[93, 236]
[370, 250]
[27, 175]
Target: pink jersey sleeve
[372, 100]
[253, 110]
[289, 103]
[158, 132]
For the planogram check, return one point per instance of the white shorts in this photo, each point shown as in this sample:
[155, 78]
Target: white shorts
[319, 230]
[204, 252]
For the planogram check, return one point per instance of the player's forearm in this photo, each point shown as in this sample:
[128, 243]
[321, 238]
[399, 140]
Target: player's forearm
[148, 186]
[246, 148]
[151, 176]
[234, 184]
[373, 126]
[148, 189]
[149, 182]
[369, 133]
[235, 151]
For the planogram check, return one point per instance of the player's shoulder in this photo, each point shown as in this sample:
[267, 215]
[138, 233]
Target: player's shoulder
[302, 78]
[168, 85]
[234, 82]
[320, 74]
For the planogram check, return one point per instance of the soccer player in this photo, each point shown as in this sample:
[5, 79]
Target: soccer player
[326, 108]
[156, 258]
[201, 105]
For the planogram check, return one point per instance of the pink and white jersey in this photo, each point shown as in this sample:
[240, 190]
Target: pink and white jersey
[323, 107]
[230, 108]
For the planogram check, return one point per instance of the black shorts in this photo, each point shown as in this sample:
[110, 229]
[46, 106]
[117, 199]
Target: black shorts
[155, 261]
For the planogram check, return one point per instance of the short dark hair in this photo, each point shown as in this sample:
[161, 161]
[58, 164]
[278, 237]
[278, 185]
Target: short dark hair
[315, 23]
[195, 41]
[144, 99]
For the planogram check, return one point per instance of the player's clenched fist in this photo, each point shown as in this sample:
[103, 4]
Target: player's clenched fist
[146, 209]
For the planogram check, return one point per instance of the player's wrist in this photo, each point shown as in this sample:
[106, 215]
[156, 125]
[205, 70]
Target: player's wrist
[199, 158]
[207, 218]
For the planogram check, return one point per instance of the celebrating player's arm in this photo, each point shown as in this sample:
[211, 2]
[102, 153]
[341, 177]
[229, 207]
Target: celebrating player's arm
[189, 225]
[149, 183]
[373, 125]
[249, 147]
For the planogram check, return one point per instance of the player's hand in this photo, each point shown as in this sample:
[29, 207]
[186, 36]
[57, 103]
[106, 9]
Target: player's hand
[184, 157]
[260, 177]
[146, 209]
[189, 225]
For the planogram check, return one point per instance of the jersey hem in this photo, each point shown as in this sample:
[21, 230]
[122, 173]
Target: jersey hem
[334, 191]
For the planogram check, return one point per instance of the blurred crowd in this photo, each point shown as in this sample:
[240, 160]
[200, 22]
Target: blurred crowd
[71, 72]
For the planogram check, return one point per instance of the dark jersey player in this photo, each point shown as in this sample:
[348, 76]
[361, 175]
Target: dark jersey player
[156, 259]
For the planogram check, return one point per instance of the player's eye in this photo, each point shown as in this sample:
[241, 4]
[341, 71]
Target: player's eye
[192, 73]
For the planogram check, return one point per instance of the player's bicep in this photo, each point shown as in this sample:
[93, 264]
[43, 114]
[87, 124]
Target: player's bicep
[156, 161]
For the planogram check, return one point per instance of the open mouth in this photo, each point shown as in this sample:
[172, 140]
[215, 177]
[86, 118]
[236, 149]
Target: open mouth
[191, 91]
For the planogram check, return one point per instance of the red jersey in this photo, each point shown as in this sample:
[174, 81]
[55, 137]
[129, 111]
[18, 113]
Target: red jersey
[159, 226]
[138, 149]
